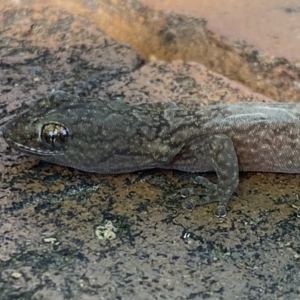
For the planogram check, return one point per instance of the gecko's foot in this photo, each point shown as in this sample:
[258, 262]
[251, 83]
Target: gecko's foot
[201, 196]
[209, 188]
[191, 202]
[212, 187]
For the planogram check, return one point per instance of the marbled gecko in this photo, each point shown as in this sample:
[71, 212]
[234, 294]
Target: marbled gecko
[111, 136]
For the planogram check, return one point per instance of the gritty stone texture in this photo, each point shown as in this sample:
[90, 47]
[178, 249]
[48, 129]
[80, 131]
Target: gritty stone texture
[49, 248]
[254, 43]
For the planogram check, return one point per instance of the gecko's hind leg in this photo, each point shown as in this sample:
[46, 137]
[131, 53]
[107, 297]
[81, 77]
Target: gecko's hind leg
[220, 151]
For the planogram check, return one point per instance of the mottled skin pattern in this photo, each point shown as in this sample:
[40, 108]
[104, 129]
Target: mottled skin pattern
[110, 136]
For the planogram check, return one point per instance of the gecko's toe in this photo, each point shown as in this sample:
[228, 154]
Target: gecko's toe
[208, 188]
[190, 203]
[208, 185]
[220, 211]
[186, 192]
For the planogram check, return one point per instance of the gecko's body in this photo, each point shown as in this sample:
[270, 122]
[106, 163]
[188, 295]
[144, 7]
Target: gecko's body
[106, 136]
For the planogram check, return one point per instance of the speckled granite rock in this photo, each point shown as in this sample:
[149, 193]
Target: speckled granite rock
[256, 43]
[53, 219]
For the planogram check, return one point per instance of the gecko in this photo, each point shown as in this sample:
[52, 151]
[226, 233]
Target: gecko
[111, 136]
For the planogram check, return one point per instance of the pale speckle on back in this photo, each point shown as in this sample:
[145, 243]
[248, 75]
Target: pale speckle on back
[110, 136]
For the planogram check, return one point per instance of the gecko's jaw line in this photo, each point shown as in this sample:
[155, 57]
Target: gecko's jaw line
[34, 150]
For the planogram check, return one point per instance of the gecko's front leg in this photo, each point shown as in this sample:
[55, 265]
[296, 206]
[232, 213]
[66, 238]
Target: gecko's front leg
[219, 150]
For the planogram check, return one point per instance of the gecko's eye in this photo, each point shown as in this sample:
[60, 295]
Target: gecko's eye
[54, 135]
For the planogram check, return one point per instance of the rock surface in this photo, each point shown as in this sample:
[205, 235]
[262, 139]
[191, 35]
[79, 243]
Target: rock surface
[67, 234]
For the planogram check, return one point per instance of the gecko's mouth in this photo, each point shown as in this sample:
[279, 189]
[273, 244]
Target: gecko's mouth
[30, 150]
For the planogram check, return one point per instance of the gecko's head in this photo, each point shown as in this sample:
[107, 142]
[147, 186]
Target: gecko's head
[36, 136]
[35, 133]
[52, 128]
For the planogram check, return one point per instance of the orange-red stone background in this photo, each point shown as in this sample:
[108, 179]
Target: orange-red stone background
[53, 219]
